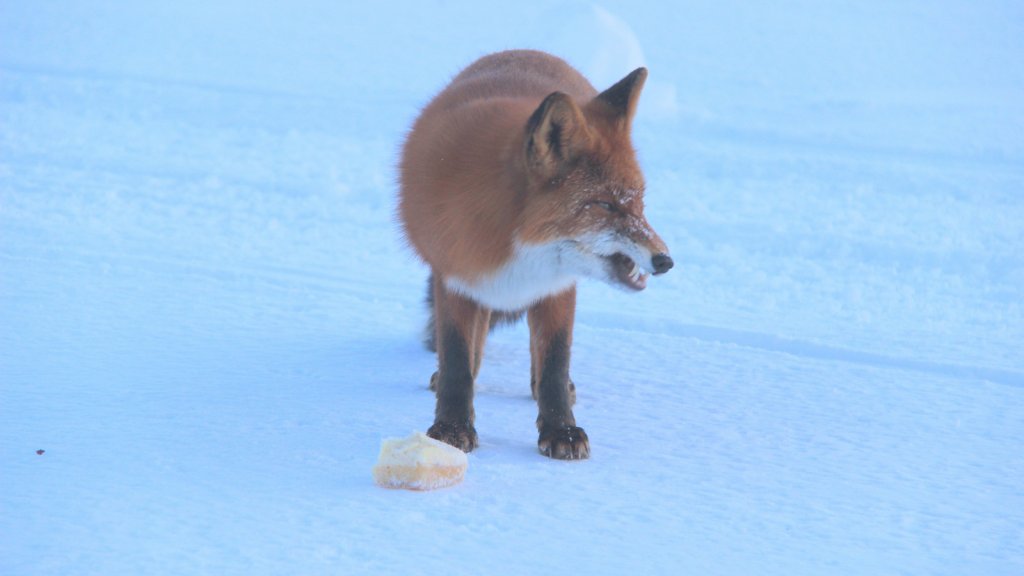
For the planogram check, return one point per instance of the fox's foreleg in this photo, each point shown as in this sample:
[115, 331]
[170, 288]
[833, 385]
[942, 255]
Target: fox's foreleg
[461, 327]
[551, 323]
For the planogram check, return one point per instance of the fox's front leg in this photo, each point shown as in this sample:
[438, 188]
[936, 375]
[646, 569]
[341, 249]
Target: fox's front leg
[461, 326]
[551, 322]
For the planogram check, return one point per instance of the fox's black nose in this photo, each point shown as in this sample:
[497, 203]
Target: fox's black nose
[662, 263]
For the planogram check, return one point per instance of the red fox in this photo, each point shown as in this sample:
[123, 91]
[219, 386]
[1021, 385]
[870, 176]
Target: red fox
[517, 180]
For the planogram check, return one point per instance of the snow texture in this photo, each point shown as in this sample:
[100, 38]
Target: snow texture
[209, 321]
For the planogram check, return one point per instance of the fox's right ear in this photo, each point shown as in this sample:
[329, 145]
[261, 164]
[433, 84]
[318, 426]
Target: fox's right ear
[622, 98]
[554, 134]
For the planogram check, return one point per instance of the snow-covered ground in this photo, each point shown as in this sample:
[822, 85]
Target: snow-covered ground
[208, 320]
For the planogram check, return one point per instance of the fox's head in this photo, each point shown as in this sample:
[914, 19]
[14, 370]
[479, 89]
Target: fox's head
[585, 186]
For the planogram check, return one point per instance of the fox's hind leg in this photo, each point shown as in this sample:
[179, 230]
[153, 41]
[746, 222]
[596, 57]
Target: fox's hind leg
[461, 327]
[551, 322]
[430, 333]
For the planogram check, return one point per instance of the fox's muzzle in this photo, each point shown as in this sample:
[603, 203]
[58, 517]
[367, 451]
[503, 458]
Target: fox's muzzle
[661, 263]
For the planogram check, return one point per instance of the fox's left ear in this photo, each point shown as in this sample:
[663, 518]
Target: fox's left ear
[624, 95]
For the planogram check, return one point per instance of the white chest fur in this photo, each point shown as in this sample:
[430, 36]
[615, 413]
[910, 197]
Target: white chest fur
[534, 272]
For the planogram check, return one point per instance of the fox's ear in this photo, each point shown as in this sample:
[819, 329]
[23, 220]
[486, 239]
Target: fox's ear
[554, 133]
[624, 95]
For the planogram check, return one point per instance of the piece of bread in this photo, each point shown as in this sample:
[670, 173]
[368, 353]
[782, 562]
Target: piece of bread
[419, 463]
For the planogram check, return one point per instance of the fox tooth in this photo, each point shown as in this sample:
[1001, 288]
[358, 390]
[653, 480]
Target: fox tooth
[635, 272]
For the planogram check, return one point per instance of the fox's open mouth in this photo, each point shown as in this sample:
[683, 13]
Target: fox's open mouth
[627, 272]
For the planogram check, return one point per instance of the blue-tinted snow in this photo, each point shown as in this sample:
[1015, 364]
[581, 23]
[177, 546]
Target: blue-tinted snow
[208, 320]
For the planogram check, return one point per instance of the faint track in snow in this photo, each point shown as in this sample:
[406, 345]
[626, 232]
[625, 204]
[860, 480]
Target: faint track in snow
[126, 78]
[764, 141]
[812, 350]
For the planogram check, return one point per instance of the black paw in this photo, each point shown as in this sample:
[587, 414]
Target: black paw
[564, 443]
[460, 435]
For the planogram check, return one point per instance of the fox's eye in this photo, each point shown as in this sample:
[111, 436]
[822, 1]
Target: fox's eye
[606, 206]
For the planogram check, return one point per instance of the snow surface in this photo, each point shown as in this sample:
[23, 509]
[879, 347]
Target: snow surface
[208, 319]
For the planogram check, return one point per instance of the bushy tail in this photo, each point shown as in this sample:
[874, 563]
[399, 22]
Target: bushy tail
[430, 333]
